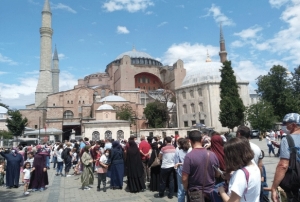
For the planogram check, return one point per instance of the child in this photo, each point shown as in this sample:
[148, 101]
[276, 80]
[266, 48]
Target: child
[26, 176]
[102, 169]
[2, 172]
[30, 158]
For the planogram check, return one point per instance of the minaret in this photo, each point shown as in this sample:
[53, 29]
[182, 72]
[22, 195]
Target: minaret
[222, 53]
[44, 86]
[55, 72]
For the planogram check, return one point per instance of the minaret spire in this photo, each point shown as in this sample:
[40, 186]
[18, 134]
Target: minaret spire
[44, 86]
[222, 53]
[55, 72]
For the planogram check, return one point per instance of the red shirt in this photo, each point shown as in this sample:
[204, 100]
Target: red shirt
[144, 146]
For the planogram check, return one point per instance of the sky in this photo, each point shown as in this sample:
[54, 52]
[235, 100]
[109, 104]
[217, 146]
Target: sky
[89, 34]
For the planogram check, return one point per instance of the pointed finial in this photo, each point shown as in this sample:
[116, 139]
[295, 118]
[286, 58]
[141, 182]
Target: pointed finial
[47, 6]
[133, 48]
[55, 55]
[208, 58]
[221, 33]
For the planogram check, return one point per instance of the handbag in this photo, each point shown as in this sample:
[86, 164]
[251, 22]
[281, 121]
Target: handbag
[195, 194]
[215, 195]
[156, 161]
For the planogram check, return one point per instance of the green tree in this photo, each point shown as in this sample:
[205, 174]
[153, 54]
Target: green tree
[261, 116]
[6, 134]
[124, 112]
[296, 81]
[231, 105]
[276, 88]
[15, 123]
[157, 114]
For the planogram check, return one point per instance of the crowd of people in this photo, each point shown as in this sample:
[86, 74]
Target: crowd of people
[199, 167]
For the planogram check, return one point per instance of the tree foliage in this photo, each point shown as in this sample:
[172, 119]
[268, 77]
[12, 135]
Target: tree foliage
[261, 116]
[277, 89]
[231, 105]
[157, 114]
[15, 123]
[6, 134]
[124, 112]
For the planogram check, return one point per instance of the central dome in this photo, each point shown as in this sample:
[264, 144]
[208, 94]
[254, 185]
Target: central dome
[135, 54]
[207, 72]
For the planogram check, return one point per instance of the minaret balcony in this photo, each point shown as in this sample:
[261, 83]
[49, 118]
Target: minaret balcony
[46, 30]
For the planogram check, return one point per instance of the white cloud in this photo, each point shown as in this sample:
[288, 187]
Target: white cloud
[270, 63]
[4, 59]
[180, 6]
[94, 23]
[33, 2]
[248, 71]
[162, 24]
[286, 41]
[249, 33]
[149, 13]
[23, 93]
[277, 3]
[61, 56]
[128, 5]
[185, 27]
[218, 16]
[81, 40]
[237, 44]
[122, 30]
[1, 73]
[191, 54]
[63, 7]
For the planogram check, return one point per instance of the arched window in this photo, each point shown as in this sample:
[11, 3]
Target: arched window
[192, 93]
[200, 92]
[184, 109]
[83, 102]
[201, 107]
[95, 136]
[79, 102]
[183, 95]
[71, 101]
[108, 135]
[68, 114]
[120, 135]
[193, 108]
[68, 102]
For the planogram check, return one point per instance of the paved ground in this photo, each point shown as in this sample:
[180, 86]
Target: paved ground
[67, 188]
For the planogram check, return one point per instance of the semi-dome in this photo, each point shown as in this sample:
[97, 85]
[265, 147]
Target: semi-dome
[135, 54]
[207, 72]
[113, 98]
[3, 110]
[105, 107]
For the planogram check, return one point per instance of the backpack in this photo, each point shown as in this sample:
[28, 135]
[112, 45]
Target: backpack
[63, 154]
[291, 180]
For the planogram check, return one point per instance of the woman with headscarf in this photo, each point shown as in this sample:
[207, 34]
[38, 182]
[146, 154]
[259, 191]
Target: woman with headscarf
[135, 169]
[39, 177]
[154, 171]
[116, 166]
[14, 163]
[217, 147]
[87, 176]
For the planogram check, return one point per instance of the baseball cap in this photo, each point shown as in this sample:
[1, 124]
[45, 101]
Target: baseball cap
[291, 118]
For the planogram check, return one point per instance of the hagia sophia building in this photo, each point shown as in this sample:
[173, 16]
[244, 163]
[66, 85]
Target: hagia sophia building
[133, 78]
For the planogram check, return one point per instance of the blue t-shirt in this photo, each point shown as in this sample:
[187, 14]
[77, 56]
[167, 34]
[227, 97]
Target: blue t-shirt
[284, 146]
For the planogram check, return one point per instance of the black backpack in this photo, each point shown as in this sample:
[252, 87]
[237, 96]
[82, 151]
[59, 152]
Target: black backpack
[291, 180]
[64, 153]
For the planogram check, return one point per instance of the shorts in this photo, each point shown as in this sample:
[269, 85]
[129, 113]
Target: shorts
[26, 181]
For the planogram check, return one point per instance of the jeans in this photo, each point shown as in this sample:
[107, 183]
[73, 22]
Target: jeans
[60, 166]
[180, 192]
[271, 149]
[166, 174]
[48, 161]
[54, 161]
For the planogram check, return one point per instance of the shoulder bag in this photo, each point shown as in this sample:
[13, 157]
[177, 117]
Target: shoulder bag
[156, 161]
[196, 195]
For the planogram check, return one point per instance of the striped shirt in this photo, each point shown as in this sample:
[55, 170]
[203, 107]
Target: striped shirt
[168, 156]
